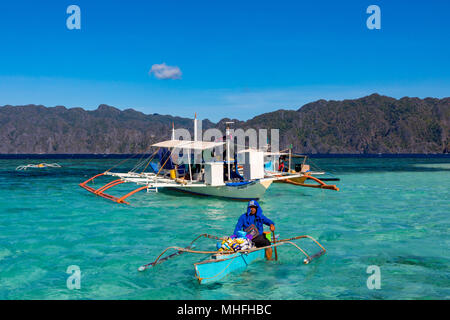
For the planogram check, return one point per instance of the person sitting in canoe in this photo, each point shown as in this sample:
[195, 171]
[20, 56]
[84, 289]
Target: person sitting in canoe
[252, 222]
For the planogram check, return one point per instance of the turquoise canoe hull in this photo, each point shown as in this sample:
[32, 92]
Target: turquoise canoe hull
[219, 266]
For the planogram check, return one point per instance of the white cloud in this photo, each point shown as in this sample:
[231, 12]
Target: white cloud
[163, 71]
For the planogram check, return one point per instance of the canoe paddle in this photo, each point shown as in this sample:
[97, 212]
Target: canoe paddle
[275, 241]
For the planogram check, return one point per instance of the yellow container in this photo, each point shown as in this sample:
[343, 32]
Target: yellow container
[268, 235]
[173, 174]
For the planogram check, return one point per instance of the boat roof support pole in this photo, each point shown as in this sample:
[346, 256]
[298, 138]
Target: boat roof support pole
[228, 149]
[289, 159]
[189, 161]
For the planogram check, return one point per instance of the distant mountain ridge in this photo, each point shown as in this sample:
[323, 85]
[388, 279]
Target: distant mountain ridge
[372, 124]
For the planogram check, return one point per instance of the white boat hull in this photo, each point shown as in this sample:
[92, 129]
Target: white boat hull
[245, 190]
[250, 191]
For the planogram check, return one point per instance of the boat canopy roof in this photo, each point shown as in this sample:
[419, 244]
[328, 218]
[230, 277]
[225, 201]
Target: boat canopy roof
[276, 154]
[187, 144]
[250, 150]
[266, 153]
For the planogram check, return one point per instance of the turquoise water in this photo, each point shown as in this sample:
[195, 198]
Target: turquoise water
[393, 213]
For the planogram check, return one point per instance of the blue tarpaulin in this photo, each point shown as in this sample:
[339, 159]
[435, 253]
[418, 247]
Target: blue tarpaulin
[164, 155]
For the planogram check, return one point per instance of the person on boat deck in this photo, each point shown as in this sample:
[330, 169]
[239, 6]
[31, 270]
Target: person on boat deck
[254, 217]
[281, 166]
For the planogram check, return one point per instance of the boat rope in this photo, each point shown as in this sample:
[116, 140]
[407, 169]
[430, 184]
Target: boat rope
[123, 161]
[134, 155]
[150, 160]
[164, 162]
[145, 161]
[141, 162]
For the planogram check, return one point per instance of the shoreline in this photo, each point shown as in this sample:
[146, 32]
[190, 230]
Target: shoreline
[124, 156]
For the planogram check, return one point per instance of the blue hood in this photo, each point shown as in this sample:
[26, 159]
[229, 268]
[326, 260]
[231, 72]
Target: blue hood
[247, 219]
[258, 210]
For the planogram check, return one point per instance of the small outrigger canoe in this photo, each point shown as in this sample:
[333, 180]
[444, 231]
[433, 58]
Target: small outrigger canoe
[38, 166]
[222, 263]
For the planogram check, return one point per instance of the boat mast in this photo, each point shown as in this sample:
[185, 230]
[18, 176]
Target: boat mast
[173, 131]
[195, 127]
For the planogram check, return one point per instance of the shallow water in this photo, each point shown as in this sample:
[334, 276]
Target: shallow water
[393, 213]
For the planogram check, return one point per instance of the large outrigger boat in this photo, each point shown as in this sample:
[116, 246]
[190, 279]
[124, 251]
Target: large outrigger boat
[223, 178]
[206, 181]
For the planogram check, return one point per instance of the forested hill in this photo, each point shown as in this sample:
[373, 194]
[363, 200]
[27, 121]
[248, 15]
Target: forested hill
[372, 124]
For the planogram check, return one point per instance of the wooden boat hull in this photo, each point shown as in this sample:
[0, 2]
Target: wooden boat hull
[219, 266]
[249, 191]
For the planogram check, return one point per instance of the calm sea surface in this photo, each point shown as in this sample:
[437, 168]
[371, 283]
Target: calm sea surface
[392, 213]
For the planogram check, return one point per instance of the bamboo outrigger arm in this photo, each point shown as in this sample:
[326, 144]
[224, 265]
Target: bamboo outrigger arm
[191, 245]
[122, 199]
[320, 185]
[101, 191]
[308, 258]
[109, 185]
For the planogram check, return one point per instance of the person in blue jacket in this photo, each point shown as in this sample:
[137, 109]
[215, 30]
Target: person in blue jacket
[254, 219]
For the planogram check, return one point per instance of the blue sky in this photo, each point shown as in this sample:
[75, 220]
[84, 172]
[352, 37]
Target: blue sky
[238, 59]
